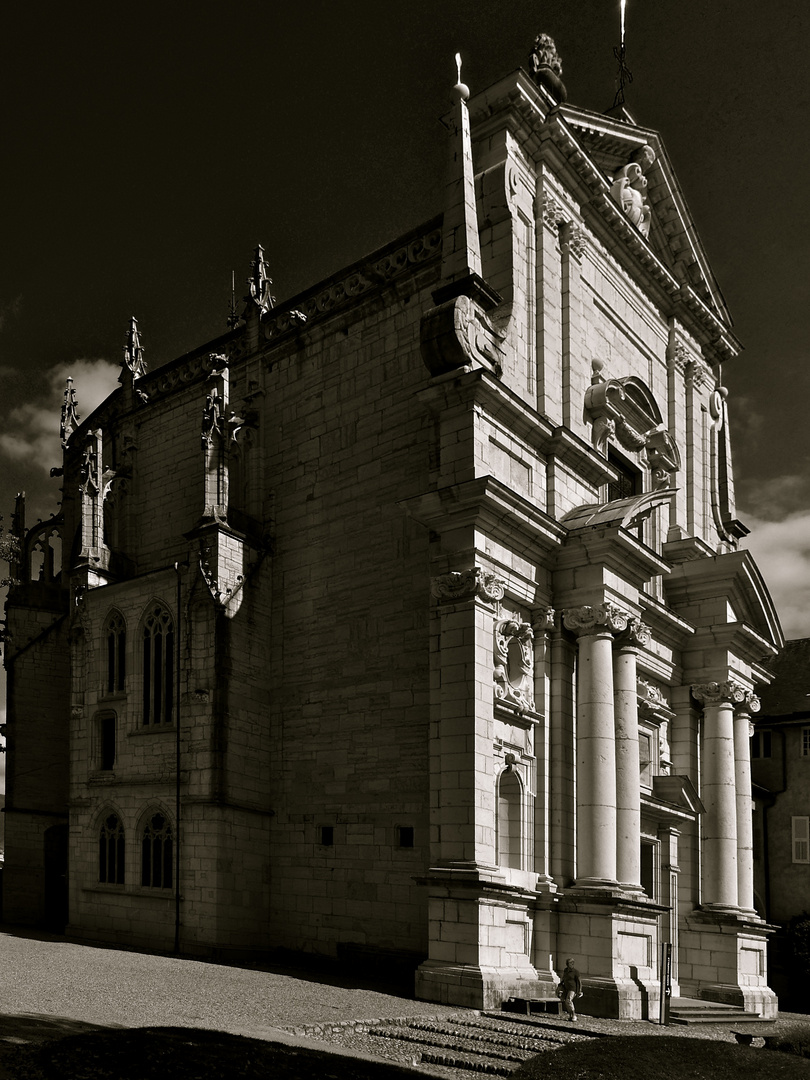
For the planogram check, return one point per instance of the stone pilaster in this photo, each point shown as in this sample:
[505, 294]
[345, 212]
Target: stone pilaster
[719, 793]
[596, 741]
[628, 794]
[462, 783]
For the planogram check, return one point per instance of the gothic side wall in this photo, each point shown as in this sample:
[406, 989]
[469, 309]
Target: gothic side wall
[37, 761]
[349, 705]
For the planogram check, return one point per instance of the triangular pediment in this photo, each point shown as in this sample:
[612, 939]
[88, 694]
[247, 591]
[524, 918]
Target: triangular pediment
[734, 582]
[611, 145]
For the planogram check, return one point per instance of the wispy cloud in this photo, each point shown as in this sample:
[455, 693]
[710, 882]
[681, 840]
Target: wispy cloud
[775, 498]
[782, 552]
[31, 429]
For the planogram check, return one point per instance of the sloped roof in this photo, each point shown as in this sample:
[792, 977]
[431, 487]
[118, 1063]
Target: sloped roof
[789, 693]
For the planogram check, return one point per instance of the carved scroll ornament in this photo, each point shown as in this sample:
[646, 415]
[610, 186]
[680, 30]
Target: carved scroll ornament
[726, 693]
[457, 334]
[514, 663]
[605, 618]
[467, 584]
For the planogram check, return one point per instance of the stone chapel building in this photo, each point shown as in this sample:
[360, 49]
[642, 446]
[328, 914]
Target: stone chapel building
[411, 615]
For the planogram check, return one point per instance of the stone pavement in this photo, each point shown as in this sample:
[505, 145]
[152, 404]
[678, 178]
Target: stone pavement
[63, 984]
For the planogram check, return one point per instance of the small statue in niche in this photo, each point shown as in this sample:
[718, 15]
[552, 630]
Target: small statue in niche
[629, 189]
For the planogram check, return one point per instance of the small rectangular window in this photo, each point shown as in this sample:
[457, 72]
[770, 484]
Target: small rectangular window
[406, 836]
[327, 835]
[806, 742]
[645, 760]
[800, 828]
[761, 744]
[648, 868]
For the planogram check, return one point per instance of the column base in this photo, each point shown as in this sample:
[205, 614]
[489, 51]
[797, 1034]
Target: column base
[620, 999]
[473, 986]
[724, 959]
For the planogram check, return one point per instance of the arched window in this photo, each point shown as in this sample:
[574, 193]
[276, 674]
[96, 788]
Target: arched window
[116, 633]
[156, 853]
[158, 667]
[111, 851]
[509, 836]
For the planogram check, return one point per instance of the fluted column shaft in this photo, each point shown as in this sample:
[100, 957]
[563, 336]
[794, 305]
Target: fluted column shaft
[628, 792]
[745, 823]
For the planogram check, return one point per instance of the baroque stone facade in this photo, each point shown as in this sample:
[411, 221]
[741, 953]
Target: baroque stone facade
[413, 619]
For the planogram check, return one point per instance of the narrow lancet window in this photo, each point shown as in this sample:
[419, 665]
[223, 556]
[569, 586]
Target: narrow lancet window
[158, 667]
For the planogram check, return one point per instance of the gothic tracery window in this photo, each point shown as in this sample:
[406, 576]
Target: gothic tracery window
[116, 634]
[111, 857]
[158, 667]
[156, 853]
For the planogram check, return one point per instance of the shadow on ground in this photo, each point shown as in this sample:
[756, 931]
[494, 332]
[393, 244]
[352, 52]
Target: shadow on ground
[350, 973]
[179, 1053]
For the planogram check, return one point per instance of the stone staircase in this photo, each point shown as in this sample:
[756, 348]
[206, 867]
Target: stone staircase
[486, 1043]
[695, 1011]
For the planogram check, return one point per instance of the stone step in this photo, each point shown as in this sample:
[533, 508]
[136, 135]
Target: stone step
[484, 1043]
[502, 1051]
[712, 1012]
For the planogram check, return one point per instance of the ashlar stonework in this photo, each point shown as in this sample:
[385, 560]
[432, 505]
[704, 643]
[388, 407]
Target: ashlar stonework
[411, 618]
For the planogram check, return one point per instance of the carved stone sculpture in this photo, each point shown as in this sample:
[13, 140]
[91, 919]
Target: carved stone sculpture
[546, 67]
[514, 663]
[629, 189]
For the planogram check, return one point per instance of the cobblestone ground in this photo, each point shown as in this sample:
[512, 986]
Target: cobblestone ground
[50, 986]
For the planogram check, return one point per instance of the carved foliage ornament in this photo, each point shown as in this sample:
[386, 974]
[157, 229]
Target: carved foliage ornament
[726, 693]
[514, 663]
[466, 584]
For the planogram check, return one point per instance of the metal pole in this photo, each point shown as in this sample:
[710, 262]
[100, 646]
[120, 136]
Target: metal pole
[666, 982]
[177, 771]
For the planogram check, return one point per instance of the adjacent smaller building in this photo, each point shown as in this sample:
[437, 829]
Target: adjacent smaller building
[780, 769]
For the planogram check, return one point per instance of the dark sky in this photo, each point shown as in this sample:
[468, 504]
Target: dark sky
[149, 147]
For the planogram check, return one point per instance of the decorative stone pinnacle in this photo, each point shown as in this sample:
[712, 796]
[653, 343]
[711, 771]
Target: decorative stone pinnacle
[133, 350]
[461, 88]
[259, 282]
[604, 619]
[467, 584]
[726, 693]
[70, 418]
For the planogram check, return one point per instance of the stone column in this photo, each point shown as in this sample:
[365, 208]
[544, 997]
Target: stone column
[719, 792]
[628, 792]
[596, 742]
[743, 730]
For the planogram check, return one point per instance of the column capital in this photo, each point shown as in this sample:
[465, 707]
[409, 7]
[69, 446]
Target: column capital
[602, 619]
[635, 636]
[467, 585]
[726, 693]
[543, 619]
